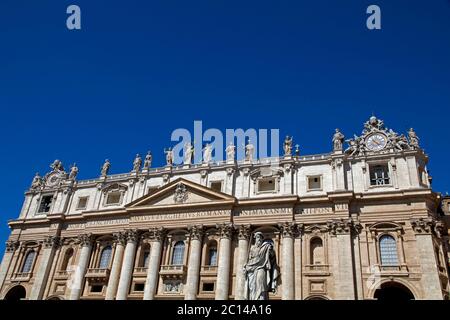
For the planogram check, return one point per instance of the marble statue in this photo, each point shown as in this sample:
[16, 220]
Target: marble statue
[338, 140]
[287, 146]
[207, 153]
[188, 153]
[169, 156]
[413, 139]
[73, 172]
[261, 270]
[231, 151]
[297, 150]
[137, 163]
[105, 168]
[37, 181]
[57, 165]
[148, 161]
[249, 149]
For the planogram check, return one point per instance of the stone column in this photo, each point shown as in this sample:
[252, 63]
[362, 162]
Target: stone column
[287, 273]
[151, 283]
[127, 265]
[193, 273]
[223, 270]
[83, 261]
[45, 264]
[431, 283]
[341, 231]
[243, 236]
[11, 247]
[113, 282]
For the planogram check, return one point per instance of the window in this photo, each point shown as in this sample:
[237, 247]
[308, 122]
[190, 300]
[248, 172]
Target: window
[388, 251]
[208, 287]
[105, 258]
[317, 256]
[46, 203]
[145, 259]
[178, 253]
[67, 259]
[113, 198]
[82, 203]
[28, 263]
[97, 288]
[379, 175]
[212, 254]
[315, 183]
[139, 286]
[216, 186]
[266, 185]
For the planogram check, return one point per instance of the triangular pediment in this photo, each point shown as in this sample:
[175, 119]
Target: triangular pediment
[181, 192]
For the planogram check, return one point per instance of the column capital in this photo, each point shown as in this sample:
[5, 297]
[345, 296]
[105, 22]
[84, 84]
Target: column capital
[423, 225]
[12, 245]
[85, 239]
[131, 235]
[288, 229]
[340, 226]
[52, 241]
[157, 233]
[244, 232]
[225, 230]
[120, 238]
[196, 232]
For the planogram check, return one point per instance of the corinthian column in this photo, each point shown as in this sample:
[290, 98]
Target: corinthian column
[11, 246]
[193, 273]
[113, 282]
[50, 243]
[243, 236]
[156, 239]
[288, 271]
[223, 271]
[78, 278]
[127, 265]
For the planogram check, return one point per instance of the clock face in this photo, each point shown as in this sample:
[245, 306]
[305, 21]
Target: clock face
[52, 180]
[376, 142]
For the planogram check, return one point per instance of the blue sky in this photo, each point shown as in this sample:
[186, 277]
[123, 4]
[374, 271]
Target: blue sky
[140, 69]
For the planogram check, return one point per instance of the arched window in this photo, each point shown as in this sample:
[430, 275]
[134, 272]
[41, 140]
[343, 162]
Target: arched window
[28, 263]
[178, 253]
[388, 251]
[317, 254]
[212, 254]
[67, 259]
[105, 257]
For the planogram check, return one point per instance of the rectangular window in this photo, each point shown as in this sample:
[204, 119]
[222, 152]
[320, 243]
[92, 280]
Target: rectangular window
[216, 186]
[139, 287]
[97, 288]
[46, 203]
[208, 287]
[379, 175]
[266, 185]
[315, 183]
[113, 198]
[82, 203]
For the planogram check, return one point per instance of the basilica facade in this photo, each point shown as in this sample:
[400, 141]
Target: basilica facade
[354, 223]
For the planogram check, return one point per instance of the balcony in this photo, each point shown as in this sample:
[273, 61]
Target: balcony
[62, 275]
[97, 274]
[208, 270]
[317, 270]
[22, 276]
[173, 271]
[397, 270]
[140, 272]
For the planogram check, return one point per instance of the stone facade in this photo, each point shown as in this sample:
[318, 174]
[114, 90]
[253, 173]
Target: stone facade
[348, 224]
